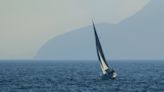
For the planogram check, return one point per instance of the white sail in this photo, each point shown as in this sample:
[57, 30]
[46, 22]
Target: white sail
[103, 64]
[104, 67]
[103, 70]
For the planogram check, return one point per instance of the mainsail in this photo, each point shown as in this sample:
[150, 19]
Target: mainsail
[103, 64]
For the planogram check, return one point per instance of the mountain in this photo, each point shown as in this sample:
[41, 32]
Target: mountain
[138, 37]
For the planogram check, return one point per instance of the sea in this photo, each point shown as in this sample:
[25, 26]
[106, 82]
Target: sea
[80, 76]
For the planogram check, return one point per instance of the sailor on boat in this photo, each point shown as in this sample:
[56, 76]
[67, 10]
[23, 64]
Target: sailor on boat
[108, 72]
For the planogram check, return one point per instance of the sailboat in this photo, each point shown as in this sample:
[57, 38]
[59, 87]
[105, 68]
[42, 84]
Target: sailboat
[107, 71]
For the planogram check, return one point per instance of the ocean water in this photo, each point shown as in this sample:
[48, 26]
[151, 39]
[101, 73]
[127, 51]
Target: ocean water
[36, 76]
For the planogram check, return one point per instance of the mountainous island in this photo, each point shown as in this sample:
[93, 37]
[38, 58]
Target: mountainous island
[138, 37]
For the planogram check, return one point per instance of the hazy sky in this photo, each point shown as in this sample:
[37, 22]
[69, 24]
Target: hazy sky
[25, 25]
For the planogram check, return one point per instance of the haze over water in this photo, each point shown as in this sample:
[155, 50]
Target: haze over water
[26, 25]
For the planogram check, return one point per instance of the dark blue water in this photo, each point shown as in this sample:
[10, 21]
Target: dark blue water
[80, 77]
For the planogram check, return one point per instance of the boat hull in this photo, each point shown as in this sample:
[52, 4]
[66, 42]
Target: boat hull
[108, 76]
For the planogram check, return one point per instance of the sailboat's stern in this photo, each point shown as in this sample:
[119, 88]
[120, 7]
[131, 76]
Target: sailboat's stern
[114, 76]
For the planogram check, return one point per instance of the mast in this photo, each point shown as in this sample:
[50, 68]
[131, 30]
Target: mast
[103, 64]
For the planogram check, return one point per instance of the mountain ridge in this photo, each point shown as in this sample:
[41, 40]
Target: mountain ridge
[138, 37]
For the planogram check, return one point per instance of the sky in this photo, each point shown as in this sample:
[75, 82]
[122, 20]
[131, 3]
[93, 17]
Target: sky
[25, 25]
